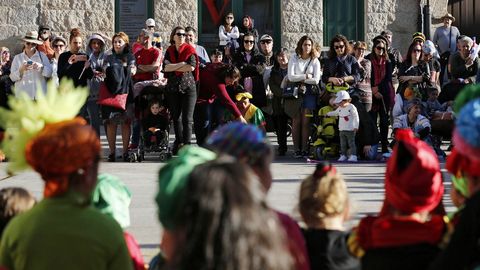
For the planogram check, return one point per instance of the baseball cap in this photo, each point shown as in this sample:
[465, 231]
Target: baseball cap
[150, 22]
[266, 37]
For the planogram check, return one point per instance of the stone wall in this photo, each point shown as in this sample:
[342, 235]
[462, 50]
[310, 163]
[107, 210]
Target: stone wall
[400, 17]
[169, 14]
[21, 16]
[300, 17]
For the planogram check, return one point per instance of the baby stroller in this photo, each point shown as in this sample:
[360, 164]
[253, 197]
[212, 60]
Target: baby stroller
[153, 144]
[324, 138]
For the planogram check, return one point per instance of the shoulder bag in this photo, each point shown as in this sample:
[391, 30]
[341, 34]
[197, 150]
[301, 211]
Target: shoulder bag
[292, 89]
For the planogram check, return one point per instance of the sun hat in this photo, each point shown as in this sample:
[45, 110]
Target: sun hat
[448, 15]
[32, 37]
[266, 37]
[243, 95]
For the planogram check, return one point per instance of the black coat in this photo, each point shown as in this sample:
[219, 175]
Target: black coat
[411, 257]
[253, 69]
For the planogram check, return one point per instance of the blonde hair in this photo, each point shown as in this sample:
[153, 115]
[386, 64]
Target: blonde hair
[322, 197]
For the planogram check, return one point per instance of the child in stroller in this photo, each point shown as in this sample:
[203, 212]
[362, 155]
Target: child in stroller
[155, 125]
[324, 138]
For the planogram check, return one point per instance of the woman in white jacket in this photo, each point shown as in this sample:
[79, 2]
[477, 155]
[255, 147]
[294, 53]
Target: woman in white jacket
[228, 32]
[31, 68]
[303, 68]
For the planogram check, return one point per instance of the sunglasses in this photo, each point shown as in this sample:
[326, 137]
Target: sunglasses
[180, 34]
[58, 46]
[339, 47]
[380, 48]
[229, 17]
[30, 44]
[249, 41]
[266, 41]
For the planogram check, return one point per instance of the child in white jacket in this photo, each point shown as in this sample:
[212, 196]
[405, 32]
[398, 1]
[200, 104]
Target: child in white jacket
[347, 125]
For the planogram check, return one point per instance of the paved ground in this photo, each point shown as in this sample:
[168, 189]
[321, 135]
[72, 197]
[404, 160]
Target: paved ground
[364, 180]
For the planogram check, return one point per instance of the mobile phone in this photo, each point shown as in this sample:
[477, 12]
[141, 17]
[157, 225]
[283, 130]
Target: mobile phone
[29, 62]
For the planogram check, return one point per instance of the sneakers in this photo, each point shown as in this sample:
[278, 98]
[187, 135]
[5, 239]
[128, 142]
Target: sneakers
[353, 158]
[342, 158]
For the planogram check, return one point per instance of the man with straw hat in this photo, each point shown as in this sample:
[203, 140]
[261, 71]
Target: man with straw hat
[445, 38]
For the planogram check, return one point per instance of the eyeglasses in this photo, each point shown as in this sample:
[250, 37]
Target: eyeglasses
[180, 34]
[249, 41]
[58, 46]
[151, 26]
[339, 47]
[265, 41]
[30, 44]
[380, 48]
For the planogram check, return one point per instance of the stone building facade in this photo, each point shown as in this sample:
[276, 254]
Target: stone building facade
[297, 17]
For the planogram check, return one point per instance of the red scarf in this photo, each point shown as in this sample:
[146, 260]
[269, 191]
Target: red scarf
[389, 231]
[379, 69]
[184, 52]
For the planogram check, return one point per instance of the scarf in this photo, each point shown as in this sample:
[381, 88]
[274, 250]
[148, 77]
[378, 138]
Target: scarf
[184, 52]
[390, 231]
[379, 69]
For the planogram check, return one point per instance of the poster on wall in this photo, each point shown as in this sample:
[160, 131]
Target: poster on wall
[132, 16]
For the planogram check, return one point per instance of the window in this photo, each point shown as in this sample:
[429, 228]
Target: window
[344, 17]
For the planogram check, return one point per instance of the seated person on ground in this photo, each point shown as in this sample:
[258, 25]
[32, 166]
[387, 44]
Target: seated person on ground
[252, 114]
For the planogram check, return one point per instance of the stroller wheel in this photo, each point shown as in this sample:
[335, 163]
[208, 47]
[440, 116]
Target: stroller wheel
[163, 157]
[133, 157]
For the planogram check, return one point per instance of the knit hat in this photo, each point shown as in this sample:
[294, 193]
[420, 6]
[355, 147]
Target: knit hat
[240, 141]
[342, 95]
[418, 36]
[429, 47]
[172, 180]
[465, 156]
[413, 181]
[112, 197]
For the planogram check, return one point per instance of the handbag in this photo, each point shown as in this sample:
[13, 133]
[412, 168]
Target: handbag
[106, 98]
[290, 91]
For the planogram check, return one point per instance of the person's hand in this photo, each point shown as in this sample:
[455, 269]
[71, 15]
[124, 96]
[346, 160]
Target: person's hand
[336, 81]
[241, 119]
[469, 62]
[72, 59]
[98, 74]
[25, 67]
[152, 129]
[308, 76]
[366, 149]
[36, 66]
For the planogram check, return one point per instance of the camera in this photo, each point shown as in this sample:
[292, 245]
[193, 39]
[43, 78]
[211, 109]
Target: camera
[29, 62]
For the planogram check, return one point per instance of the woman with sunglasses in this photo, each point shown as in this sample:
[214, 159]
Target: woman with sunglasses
[341, 68]
[382, 87]
[30, 68]
[228, 32]
[59, 44]
[413, 73]
[5, 82]
[181, 68]
[251, 64]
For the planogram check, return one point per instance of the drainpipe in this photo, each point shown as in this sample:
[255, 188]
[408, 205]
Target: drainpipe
[420, 19]
[427, 21]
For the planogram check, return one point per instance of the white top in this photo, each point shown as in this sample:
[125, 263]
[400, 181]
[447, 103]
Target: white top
[225, 37]
[30, 79]
[296, 70]
[347, 116]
